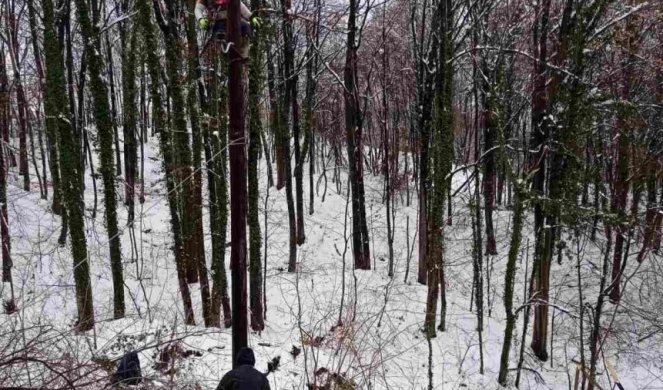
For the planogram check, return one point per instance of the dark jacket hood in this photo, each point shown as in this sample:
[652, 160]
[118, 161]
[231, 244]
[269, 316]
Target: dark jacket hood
[245, 357]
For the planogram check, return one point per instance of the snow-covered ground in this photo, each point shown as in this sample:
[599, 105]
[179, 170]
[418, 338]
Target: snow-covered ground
[382, 348]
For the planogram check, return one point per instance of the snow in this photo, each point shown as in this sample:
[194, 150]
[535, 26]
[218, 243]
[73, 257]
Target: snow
[304, 305]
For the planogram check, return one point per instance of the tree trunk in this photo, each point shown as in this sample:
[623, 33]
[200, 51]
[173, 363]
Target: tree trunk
[353, 127]
[653, 215]
[105, 133]
[489, 164]
[275, 114]
[475, 204]
[441, 167]
[4, 222]
[387, 160]
[9, 304]
[130, 118]
[59, 122]
[288, 104]
[238, 182]
[34, 35]
[509, 280]
[299, 162]
[22, 104]
[113, 102]
[537, 164]
[194, 100]
[161, 128]
[309, 104]
[594, 348]
[216, 143]
[621, 179]
[256, 82]
[76, 92]
[425, 95]
[181, 149]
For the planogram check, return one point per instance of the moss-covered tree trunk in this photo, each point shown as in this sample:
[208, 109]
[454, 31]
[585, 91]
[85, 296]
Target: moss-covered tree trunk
[509, 279]
[161, 128]
[72, 184]
[193, 104]
[498, 99]
[110, 72]
[181, 148]
[130, 111]
[565, 95]
[514, 248]
[102, 114]
[216, 141]
[256, 84]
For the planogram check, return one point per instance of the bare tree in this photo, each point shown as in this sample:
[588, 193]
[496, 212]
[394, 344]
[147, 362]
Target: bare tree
[353, 128]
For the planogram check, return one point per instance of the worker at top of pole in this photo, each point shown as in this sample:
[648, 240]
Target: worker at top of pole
[212, 15]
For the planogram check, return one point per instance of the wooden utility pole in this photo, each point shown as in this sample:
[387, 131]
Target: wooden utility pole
[238, 182]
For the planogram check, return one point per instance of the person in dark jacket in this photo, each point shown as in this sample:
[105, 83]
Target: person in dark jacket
[128, 370]
[244, 377]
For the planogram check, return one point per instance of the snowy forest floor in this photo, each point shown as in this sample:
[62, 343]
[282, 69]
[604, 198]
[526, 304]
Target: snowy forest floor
[383, 348]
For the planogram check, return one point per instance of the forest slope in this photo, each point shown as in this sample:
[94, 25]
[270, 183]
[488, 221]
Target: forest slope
[379, 346]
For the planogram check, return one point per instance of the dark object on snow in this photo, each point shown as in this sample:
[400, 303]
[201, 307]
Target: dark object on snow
[128, 370]
[244, 377]
[295, 352]
[10, 306]
[273, 365]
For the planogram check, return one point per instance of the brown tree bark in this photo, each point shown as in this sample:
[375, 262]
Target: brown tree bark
[288, 90]
[621, 146]
[4, 122]
[537, 166]
[489, 164]
[425, 96]
[22, 104]
[354, 129]
[256, 85]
